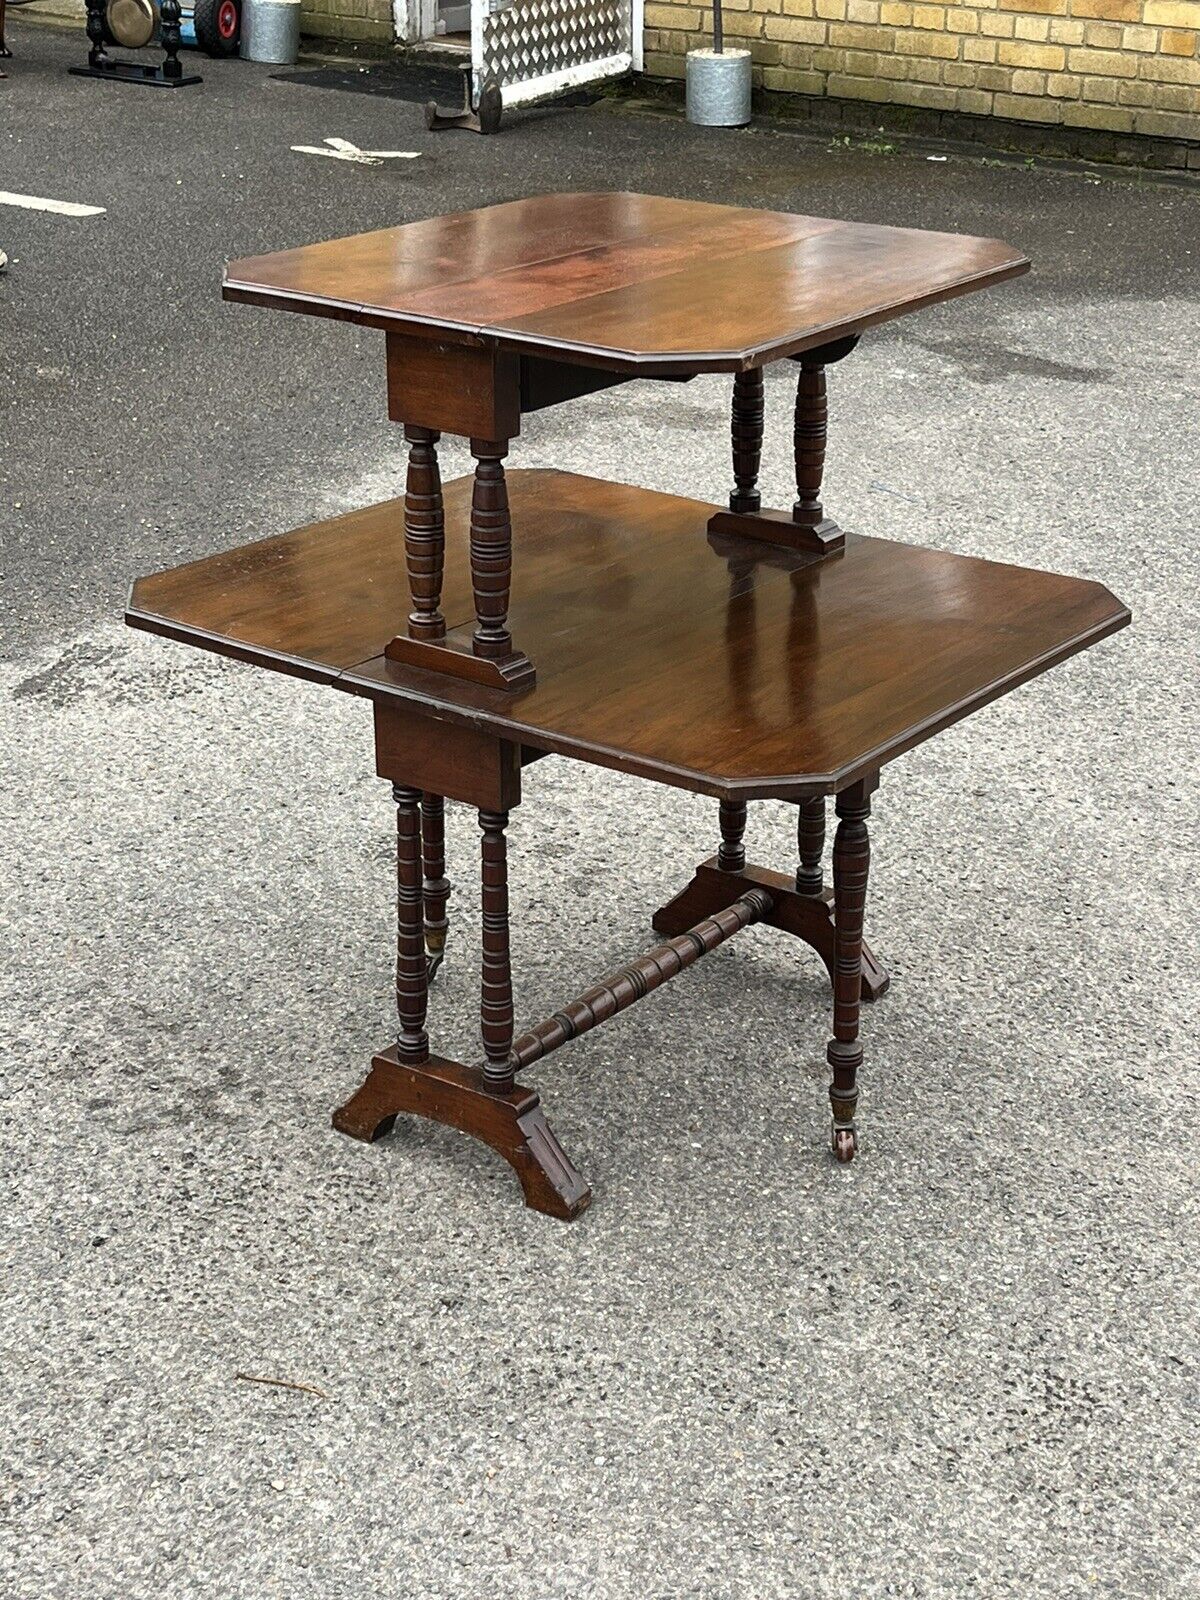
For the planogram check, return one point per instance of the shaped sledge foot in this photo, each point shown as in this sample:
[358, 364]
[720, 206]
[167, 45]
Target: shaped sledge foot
[444, 1091]
[808, 916]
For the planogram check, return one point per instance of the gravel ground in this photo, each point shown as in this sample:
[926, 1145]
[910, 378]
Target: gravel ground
[964, 1366]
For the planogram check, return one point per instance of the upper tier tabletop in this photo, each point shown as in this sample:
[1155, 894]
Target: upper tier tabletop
[714, 664]
[631, 282]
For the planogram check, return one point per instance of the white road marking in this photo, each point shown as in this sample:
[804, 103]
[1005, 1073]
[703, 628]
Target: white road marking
[64, 208]
[343, 150]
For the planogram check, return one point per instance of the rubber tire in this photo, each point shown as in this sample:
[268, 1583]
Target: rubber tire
[208, 34]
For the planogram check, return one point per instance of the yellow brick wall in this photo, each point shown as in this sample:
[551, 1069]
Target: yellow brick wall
[356, 20]
[1127, 66]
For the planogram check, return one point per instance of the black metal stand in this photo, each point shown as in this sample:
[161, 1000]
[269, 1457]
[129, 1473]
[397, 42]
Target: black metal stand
[168, 74]
[485, 120]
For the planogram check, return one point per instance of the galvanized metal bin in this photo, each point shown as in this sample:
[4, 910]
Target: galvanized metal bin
[718, 88]
[271, 31]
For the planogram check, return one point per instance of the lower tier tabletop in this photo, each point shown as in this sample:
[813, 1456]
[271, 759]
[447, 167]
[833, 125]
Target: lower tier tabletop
[717, 664]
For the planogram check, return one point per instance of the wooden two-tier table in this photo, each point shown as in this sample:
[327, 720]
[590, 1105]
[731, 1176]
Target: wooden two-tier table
[739, 652]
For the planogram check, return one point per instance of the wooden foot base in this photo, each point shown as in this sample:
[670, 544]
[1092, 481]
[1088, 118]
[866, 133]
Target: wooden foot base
[454, 655]
[808, 916]
[822, 538]
[513, 1124]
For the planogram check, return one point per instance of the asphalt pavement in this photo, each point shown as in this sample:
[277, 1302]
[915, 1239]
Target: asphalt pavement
[966, 1365]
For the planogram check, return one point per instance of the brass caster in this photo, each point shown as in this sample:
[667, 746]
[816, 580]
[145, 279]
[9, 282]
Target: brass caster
[433, 960]
[845, 1145]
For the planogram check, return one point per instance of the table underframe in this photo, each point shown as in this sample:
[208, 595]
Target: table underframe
[465, 740]
[725, 895]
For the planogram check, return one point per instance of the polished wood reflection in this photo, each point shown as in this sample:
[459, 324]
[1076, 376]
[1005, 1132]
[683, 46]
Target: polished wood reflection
[649, 658]
[631, 282]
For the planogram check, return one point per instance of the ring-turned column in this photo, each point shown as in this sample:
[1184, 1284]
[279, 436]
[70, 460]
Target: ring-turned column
[746, 430]
[731, 855]
[424, 534]
[496, 993]
[435, 886]
[810, 434]
[851, 864]
[810, 845]
[412, 976]
[491, 549]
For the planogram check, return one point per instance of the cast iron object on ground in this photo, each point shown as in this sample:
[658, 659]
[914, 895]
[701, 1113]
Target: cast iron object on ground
[484, 118]
[168, 74]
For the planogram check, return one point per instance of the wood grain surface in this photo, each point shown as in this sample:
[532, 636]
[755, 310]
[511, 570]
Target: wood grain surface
[630, 282]
[719, 665]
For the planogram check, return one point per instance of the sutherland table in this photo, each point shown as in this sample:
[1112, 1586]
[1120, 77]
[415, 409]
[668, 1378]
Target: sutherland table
[743, 653]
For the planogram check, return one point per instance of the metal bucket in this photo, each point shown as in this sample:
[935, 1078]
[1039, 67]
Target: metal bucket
[718, 88]
[271, 31]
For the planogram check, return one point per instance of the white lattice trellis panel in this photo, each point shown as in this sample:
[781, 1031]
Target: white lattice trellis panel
[533, 47]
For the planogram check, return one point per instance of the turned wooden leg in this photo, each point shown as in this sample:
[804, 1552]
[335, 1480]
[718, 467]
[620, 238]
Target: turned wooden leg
[809, 438]
[496, 997]
[412, 976]
[483, 654]
[491, 549]
[435, 886]
[731, 856]
[810, 845]
[851, 863]
[424, 534]
[811, 432]
[406, 1080]
[747, 434]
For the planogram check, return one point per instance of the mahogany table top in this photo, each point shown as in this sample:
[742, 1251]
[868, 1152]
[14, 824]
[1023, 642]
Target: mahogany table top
[728, 667]
[630, 282]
